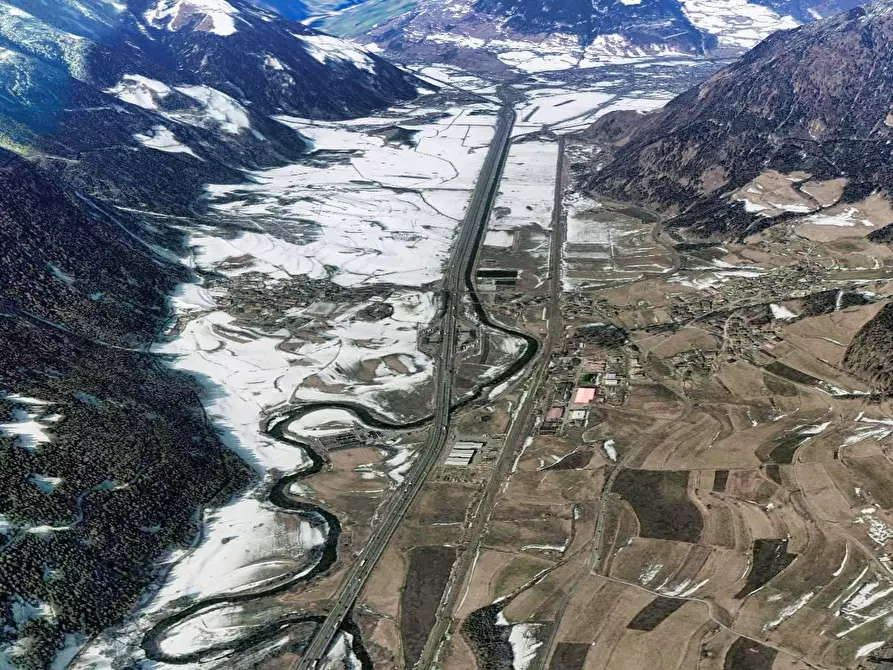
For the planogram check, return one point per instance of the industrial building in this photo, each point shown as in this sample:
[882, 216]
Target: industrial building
[585, 395]
[463, 453]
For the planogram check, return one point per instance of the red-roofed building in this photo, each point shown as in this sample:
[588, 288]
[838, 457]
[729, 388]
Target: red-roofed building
[584, 396]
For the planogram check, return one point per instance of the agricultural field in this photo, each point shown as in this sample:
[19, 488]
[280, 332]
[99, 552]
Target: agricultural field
[727, 483]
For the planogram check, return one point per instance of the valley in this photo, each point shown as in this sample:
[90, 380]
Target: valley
[569, 357]
[321, 335]
[611, 410]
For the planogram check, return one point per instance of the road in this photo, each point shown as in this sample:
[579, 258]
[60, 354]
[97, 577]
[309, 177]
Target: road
[517, 433]
[463, 254]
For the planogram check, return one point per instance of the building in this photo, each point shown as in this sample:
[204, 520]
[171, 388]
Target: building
[555, 414]
[463, 453]
[585, 395]
[579, 415]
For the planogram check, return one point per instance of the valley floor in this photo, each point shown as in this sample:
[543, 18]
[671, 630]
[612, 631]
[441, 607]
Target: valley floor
[685, 458]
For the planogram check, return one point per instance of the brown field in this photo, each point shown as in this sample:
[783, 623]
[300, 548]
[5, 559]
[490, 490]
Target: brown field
[429, 569]
[749, 523]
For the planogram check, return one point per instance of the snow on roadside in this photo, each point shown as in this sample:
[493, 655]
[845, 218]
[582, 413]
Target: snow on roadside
[340, 655]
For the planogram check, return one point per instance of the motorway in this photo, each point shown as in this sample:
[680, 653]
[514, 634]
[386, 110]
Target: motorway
[462, 257]
[518, 431]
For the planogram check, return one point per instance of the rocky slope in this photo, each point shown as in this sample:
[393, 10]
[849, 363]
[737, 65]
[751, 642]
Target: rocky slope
[801, 124]
[113, 118]
[197, 81]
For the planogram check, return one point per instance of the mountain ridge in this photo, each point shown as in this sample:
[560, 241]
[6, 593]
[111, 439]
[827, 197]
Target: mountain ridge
[534, 37]
[782, 108]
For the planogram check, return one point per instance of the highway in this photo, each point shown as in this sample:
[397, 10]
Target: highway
[519, 429]
[462, 256]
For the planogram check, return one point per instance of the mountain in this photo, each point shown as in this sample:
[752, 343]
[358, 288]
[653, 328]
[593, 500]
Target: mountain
[114, 116]
[97, 480]
[801, 124]
[82, 88]
[537, 36]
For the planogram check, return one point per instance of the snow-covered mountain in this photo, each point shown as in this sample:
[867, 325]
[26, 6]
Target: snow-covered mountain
[114, 117]
[536, 36]
[195, 81]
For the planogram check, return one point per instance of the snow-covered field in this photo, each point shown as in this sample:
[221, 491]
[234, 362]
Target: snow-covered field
[527, 192]
[245, 562]
[549, 107]
[563, 54]
[582, 228]
[447, 75]
[565, 108]
[376, 203]
[736, 23]
[379, 211]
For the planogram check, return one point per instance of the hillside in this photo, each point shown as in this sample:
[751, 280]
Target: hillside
[114, 117]
[800, 125]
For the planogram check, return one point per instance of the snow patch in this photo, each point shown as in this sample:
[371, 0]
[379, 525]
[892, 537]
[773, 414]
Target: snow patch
[214, 16]
[163, 139]
[525, 645]
[140, 91]
[217, 107]
[325, 49]
[789, 611]
[866, 649]
[781, 313]
[736, 23]
[845, 219]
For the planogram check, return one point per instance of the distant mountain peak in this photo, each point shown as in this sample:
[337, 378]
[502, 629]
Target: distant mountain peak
[213, 16]
[535, 36]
